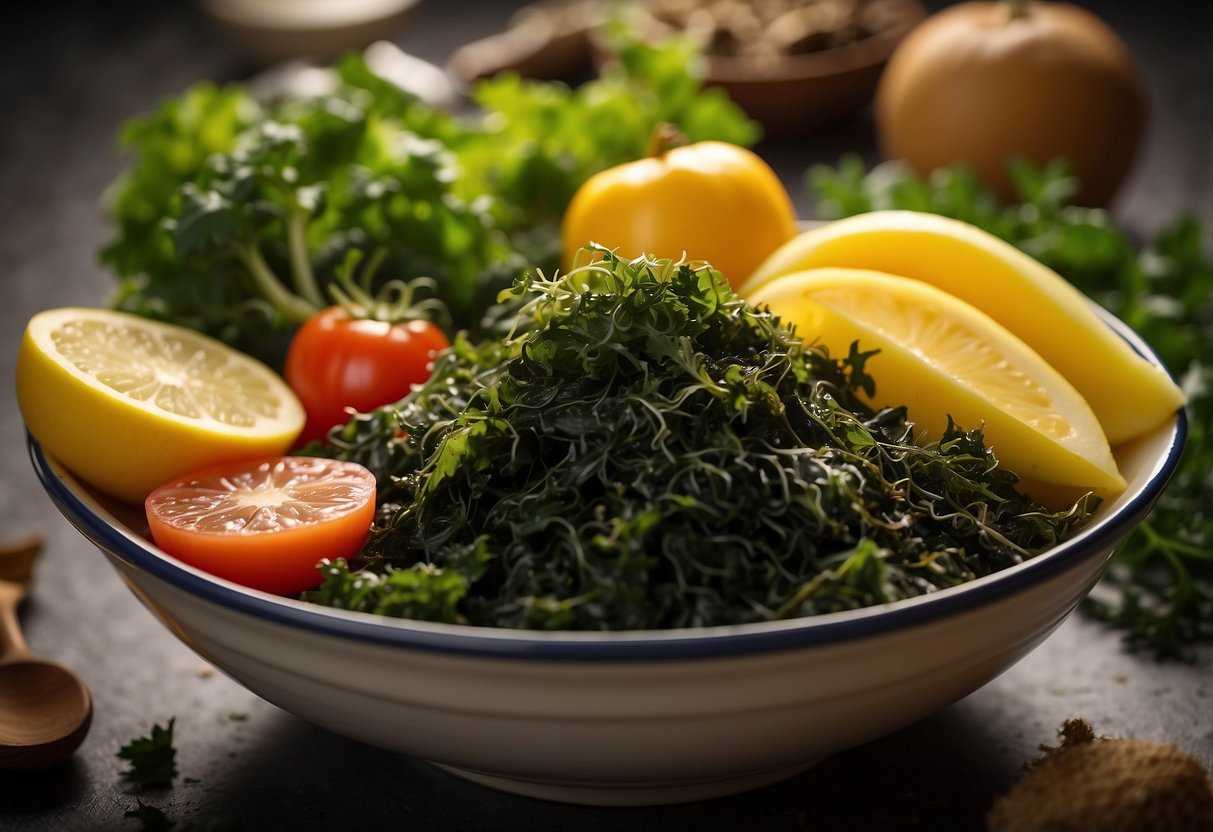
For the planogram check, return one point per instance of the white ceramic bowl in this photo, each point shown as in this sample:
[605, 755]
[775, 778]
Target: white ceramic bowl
[269, 31]
[622, 718]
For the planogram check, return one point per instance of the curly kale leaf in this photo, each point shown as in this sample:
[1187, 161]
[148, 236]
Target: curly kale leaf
[648, 451]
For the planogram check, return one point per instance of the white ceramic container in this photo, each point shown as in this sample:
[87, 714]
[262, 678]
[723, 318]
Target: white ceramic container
[624, 718]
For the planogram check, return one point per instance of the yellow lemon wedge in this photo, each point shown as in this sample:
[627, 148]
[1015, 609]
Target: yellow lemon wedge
[1129, 395]
[127, 403]
[940, 357]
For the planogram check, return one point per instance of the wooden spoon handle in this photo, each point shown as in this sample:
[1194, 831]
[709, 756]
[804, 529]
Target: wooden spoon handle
[12, 641]
[17, 558]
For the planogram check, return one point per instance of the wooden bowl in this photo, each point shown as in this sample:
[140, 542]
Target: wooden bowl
[804, 92]
[807, 92]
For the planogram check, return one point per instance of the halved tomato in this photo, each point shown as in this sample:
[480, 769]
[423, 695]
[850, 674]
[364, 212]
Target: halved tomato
[265, 524]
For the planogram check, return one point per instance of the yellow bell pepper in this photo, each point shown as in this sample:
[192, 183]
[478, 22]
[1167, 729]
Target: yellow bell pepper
[709, 201]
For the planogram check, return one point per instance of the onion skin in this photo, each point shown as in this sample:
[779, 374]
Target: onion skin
[983, 82]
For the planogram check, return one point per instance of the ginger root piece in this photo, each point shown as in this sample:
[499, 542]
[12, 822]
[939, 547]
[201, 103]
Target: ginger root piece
[1108, 784]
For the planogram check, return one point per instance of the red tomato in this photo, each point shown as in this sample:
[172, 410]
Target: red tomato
[265, 524]
[336, 361]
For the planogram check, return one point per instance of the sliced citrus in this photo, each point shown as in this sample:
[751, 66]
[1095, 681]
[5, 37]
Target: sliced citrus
[265, 524]
[1129, 395]
[941, 357]
[127, 403]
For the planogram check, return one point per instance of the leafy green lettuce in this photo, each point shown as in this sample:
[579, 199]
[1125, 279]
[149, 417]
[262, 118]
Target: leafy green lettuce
[236, 213]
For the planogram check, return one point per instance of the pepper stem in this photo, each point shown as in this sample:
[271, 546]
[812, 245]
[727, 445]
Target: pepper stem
[666, 136]
[1016, 9]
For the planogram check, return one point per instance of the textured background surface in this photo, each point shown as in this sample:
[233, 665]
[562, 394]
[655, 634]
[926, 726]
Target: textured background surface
[70, 75]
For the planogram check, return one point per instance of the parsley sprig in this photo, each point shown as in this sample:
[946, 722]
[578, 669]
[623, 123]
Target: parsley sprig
[1159, 590]
[152, 759]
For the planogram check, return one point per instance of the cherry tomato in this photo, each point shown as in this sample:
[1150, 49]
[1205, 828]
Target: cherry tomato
[336, 361]
[711, 201]
[265, 524]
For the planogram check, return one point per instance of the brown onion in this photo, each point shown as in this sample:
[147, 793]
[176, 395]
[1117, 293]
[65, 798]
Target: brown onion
[983, 82]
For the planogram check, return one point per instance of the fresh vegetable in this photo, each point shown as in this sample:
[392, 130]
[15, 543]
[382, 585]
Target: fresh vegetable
[241, 241]
[984, 82]
[708, 201]
[1159, 589]
[649, 451]
[265, 524]
[152, 759]
[1028, 298]
[362, 353]
[945, 360]
[128, 403]
[236, 214]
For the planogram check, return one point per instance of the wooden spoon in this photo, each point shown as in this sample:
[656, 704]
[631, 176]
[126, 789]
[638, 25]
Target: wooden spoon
[45, 709]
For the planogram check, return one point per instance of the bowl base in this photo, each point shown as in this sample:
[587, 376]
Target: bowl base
[647, 793]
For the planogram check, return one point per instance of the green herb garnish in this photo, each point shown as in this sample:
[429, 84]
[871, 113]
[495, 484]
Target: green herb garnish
[152, 819]
[648, 451]
[1160, 587]
[152, 758]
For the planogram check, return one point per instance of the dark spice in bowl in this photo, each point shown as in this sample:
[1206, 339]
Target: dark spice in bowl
[795, 66]
[777, 27]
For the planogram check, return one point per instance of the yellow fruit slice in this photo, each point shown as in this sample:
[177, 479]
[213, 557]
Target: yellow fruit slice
[1129, 395]
[128, 403]
[940, 356]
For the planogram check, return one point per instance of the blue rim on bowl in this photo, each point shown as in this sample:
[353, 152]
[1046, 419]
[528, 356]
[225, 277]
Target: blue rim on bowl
[95, 522]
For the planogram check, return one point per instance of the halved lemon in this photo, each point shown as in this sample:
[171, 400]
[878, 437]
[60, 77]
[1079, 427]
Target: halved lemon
[1128, 394]
[941, 357]
[127, 403]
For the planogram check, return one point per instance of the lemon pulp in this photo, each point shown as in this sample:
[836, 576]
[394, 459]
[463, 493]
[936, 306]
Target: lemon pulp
[940, 357]
[1129, 395]
[176, 373]
[128, 403]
